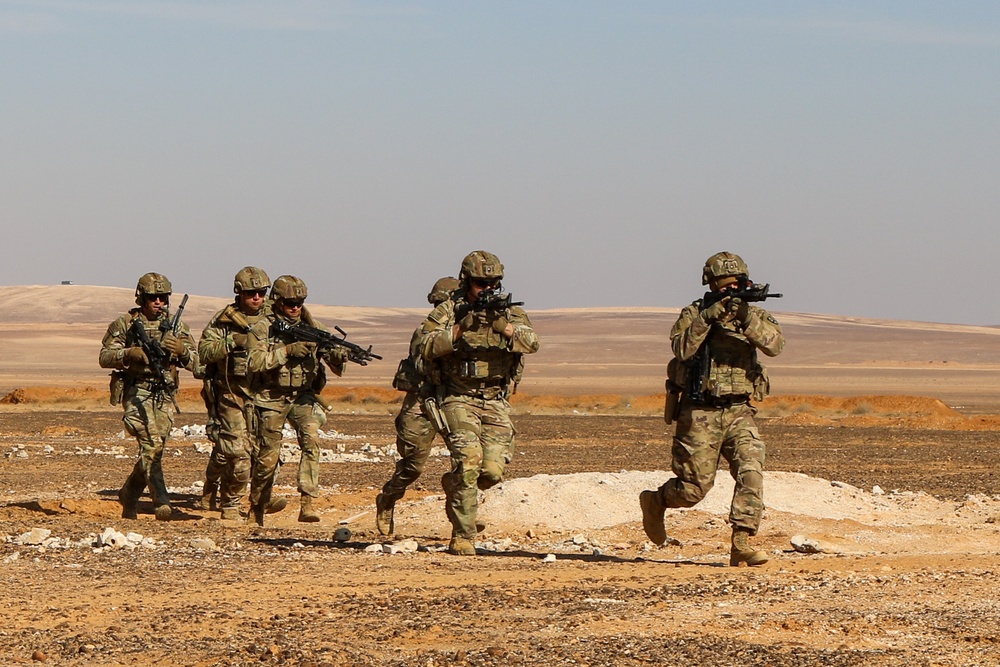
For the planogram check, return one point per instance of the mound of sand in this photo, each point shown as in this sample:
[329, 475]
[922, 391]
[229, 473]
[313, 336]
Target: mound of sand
[600, 500]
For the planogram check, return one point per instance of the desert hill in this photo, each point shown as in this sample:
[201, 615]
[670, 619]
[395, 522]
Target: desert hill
[50, 335]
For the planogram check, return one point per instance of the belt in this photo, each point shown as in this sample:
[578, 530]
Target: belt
[726, 401]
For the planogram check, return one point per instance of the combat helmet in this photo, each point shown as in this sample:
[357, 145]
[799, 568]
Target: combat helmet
[288, 288]
[152, 283]
[250, 278]
[442, 290]
[482, 265]
[724, 264]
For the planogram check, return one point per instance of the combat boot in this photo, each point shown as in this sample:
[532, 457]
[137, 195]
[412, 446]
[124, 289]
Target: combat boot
[461, 546]
[652, 516]
[163, 512]
[275, 505]
[742, 552]
[209, 499]
[306, 512]
[130, 507]
[384, 507]
[232, 514]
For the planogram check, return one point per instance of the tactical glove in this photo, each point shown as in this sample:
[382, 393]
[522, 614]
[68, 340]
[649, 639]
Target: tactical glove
[500, 323]
[300, 349]
[134, 355]
[173, 345]
[715, 311]
[740, 308]
[338, 356]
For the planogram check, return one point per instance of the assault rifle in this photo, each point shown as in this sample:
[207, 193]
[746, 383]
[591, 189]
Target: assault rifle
[325, 341]
[488, 301]
[746, 290]
[159, 357]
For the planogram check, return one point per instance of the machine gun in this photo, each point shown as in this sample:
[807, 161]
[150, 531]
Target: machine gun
[158, 356]
[324, 340]
[488, 301]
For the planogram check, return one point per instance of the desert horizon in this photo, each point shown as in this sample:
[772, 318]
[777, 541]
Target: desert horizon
[50, 336]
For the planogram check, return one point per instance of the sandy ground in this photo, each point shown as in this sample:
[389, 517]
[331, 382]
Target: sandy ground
[890, 494]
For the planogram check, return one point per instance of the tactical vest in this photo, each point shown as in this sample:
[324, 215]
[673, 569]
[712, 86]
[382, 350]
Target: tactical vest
[734, 368]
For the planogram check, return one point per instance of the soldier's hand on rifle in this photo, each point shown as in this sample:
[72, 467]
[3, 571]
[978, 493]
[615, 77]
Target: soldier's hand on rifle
[716, 311]
[173, 345]
[300, 349]
[739, 308]
[134, 355]
[468, 321]
[338, 356]
[500, 323]
[240, 340]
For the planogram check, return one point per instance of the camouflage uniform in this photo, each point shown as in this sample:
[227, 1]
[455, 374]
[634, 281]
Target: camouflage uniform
[287, 390]
[414, 430]
[230, 389]
[478, 370]
[148, 411]
[722, 423]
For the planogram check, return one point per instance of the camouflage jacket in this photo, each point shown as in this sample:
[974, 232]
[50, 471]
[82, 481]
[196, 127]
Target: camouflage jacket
[732, 349]
[119, 338]
[225, 362]
[280, 375]
[481, 362]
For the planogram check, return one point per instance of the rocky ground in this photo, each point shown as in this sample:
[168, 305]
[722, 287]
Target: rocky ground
[910, 585]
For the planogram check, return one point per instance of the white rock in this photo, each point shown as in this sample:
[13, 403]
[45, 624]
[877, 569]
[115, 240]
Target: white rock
[374, 548]
[204, 543]
[550, 558]
[36, 536]
[111, 538]
[806, 545]
[877, 490]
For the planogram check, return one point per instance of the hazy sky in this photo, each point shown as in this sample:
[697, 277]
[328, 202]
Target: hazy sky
[850, 151]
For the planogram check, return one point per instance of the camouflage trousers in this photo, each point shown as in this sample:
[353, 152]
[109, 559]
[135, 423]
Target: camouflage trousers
[235, 446]
[481, 445]
[306, 417]
[148, 417]
[703, 436]
[414, 436]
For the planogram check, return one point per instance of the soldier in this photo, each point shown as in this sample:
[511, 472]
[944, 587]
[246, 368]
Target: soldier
[291, 377]
[145, 388]
[415, 431]
[228, 391]
[719, 422]
[479, 348]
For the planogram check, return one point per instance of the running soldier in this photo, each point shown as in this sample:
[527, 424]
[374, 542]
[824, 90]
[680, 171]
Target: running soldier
[478, 337]
[415, 430]
[145, 386]
[291, 378]
[712, 379]
[228, 392]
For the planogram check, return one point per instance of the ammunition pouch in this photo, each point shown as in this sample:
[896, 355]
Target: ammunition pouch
[117, 387]
[407, 378]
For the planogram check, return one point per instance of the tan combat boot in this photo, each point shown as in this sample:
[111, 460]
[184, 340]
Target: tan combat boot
[652, 516]
[306, 512]
[742, 552]
[231, 514]
[461, 546]
[384, 507]
[275, 505]
[209, 499]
